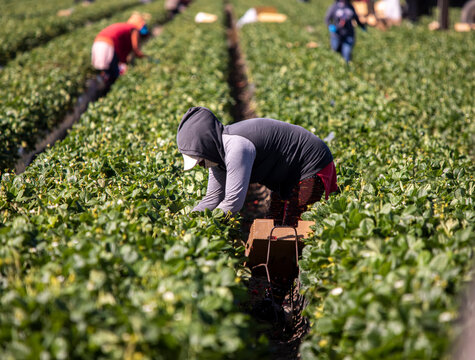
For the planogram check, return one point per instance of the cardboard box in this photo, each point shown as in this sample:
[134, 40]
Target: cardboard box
[282, 247]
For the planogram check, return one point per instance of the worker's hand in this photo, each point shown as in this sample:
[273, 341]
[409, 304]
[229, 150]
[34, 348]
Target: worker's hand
[332, 28]
[122, 68]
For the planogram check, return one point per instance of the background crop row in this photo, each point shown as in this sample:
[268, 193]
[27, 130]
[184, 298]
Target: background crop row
[393, 252]
[42, 85]
[39, 24]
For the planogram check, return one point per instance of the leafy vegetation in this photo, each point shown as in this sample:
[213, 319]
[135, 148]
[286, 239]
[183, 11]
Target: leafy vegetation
[19, 35]
[41, 85]
[393, 251]
[27, 9]
[100, 255]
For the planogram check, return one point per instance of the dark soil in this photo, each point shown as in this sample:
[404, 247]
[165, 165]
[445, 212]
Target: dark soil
[277, 306]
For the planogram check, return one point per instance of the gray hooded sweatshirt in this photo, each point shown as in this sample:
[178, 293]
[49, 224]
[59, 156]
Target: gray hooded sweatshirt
[265, 151]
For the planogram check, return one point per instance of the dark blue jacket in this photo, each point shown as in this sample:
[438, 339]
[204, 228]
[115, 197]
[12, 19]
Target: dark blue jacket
[341, 14]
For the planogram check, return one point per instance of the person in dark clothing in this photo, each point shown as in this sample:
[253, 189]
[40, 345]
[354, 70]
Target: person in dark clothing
[416, 8]
[292, 162]
[339, 19]
[174, 7]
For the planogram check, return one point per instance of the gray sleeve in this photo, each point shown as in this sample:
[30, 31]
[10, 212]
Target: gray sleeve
[240, 155]
[215, 190]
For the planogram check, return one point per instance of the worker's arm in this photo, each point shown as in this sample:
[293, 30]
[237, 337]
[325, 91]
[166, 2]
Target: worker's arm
[227, 189]
[135, 37]
[360, 24]
[330, 14]
[240, 155]
[215, 191]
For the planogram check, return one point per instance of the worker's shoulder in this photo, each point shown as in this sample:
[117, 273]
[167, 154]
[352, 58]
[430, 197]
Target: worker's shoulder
[237, 139]
[260, 120]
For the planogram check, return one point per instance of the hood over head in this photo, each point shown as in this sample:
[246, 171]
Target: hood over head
[200, 135]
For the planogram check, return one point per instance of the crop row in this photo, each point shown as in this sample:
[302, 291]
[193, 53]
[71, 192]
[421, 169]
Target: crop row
[100, 255]
[19, 35]
[41, 85]
[433, 80]
[392, 252]
[27, 9]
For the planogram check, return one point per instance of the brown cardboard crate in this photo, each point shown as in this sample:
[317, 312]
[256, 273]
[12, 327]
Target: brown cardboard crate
[282, 259]
[265, 9]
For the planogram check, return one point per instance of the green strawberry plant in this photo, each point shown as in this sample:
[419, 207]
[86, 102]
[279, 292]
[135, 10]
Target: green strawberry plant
[393, 252]
[22, 10]
[101, 256]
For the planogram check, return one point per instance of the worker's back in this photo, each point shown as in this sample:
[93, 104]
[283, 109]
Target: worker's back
[286, 153]
[120, 34]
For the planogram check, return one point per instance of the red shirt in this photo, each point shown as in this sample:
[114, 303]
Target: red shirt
[120, 34]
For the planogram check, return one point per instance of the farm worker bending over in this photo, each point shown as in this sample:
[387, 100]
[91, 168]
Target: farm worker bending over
[114, 44]
[339, 19]
[292, 162]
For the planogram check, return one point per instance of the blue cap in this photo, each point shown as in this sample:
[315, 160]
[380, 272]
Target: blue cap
[144, 30]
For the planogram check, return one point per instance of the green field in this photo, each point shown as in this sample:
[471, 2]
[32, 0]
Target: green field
[101, 257]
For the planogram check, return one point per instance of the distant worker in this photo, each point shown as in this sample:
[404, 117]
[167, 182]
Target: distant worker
[392, 11]
[339, 19]
[174, 7]
[115, 43]
[292, 162]
[416, 8]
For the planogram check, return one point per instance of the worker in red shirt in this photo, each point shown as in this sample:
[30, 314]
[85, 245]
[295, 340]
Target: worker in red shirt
[113, 45]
